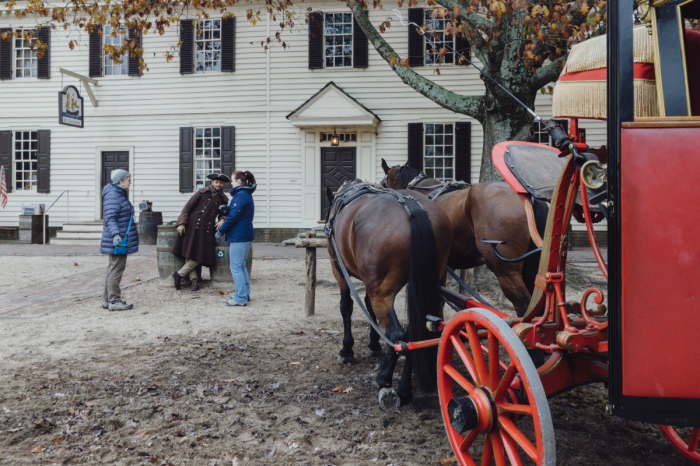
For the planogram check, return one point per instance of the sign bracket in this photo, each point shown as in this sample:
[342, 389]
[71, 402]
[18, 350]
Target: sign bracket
[86, 81]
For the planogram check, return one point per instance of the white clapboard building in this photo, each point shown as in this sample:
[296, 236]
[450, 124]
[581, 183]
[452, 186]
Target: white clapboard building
[224, 103]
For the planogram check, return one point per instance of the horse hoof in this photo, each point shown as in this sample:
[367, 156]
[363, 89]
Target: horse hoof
[374, 354]
[388, 398]
[406, 399]
[346, 359]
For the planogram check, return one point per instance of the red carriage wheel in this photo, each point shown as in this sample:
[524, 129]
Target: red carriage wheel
[483, 396]
[684, 440]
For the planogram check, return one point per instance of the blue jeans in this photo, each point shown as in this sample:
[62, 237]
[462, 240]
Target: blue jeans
[237, 254]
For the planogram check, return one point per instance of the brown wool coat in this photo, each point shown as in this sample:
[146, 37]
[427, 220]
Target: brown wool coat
[199, 217]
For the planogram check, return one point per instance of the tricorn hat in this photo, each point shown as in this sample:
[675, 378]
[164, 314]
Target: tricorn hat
[219, 176]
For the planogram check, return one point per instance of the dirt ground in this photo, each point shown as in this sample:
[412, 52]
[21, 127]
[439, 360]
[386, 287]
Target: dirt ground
[182, 379]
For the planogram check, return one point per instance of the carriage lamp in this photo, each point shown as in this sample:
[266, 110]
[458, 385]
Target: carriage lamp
[335, 139]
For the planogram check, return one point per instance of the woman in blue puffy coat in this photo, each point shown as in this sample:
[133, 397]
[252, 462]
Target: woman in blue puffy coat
[117, 213]
[238, 230]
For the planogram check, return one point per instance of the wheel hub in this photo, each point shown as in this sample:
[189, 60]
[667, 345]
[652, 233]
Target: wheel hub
[476, 411]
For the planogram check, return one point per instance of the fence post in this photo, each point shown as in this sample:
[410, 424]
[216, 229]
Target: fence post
[310, 302]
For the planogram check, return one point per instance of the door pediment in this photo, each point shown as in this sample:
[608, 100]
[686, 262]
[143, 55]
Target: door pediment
[332, 106]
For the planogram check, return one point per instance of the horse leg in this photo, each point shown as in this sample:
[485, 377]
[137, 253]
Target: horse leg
[406, 382]
[388, 395]
[346, 354]
[374, 348]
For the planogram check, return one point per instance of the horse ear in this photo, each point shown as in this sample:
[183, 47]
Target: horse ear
[385, 167]
[405, 164]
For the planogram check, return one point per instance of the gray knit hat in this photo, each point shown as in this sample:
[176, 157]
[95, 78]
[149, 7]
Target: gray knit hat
[118, 175]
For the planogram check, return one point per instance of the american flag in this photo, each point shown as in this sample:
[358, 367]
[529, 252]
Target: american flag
[3, 189]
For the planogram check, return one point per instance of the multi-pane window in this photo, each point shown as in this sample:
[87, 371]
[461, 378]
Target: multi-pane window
[436, 39]
[207, 155]
[338, 39]
[25, 58]
[342, 137]
[208, 45]
[541, 134]
[25, 160]
[117, 40]
[439, 160]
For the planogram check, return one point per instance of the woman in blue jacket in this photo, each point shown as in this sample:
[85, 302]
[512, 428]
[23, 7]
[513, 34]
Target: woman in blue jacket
[238, 230]
[117, 213]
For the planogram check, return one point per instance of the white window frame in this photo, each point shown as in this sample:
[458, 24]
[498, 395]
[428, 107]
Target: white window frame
[342, 34]
[20, 32]
[450, 40]
[208, 30]
[35, 181]
[443, 146]
[108, 62]
[542, 136]
[202, 158]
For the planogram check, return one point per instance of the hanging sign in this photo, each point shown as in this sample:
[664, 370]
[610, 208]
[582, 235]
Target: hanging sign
[70, 107]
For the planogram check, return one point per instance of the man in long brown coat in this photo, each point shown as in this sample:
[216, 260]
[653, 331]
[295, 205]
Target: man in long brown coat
[197, 226]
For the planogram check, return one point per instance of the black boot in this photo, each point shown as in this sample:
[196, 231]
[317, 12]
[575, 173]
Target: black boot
[178, 280]
[195, 287]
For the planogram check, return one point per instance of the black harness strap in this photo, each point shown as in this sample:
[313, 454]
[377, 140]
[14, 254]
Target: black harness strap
[468, 288]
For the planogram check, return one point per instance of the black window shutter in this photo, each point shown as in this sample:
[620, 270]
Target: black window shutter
[463, 151]
[187, 48]
[44, 63]
[316, 41]
[360, 57]
[6, 56]
[228, 151]
[415, 146]
[44, 161]
[186, 160]
[95, 68]
[135, 35]
[228, 45]
[416, 52]
[6, 157]
[463, 47]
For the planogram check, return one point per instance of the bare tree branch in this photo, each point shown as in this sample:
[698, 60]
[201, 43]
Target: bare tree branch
[467, 105]
[549, 73]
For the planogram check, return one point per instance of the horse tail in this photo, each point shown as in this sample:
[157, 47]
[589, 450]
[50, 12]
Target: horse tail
[532, 264]
[423, 296]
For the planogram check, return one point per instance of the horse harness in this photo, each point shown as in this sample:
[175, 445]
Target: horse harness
[340, 201]
[439, 189]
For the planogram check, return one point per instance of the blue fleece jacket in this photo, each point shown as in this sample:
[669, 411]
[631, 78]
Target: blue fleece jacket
[116, 212]
[238, 227]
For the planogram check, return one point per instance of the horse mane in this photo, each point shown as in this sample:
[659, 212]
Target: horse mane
[407, 174]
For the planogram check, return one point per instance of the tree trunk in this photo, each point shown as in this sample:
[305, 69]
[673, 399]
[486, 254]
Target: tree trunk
[507, 123]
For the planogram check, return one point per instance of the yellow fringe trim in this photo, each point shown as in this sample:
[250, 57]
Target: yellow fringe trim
[588, 99]
[591, 54]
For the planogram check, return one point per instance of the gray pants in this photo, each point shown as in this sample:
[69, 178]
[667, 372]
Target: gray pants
[190, 268]
[115, 270]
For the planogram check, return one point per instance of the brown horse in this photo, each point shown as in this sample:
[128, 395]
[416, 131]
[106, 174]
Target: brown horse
[380, 244]
[490, 210]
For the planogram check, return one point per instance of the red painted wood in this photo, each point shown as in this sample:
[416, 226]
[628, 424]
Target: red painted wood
[660, 262]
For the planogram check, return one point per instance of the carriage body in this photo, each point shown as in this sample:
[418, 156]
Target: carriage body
[645, 343]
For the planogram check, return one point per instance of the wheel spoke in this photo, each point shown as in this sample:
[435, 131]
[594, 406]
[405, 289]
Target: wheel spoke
[468, 440]
[498, 453]
[488, 451]
[511, 448]
[466, 358]
[501, 363]
[457, 377]
[477, 354]
[494, 360]
[504, 384]
[693, 442]
[516, 409]
[515, 433]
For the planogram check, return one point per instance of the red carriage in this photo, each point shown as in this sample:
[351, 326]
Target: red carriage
[645, 343]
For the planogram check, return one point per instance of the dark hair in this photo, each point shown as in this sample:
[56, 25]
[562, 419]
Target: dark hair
[246, 177]
[407, 174]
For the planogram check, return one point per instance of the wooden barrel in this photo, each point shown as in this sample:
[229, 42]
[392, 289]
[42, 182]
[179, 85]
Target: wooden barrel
[221, 274]
[167, 262]
[148, 226]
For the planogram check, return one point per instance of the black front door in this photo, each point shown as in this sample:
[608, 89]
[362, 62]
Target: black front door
[337, 165]
[111, 161]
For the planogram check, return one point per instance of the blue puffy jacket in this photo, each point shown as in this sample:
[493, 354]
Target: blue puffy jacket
[116, 212]
[238, 227]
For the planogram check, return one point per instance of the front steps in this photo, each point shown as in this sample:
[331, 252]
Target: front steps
[79, 234]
